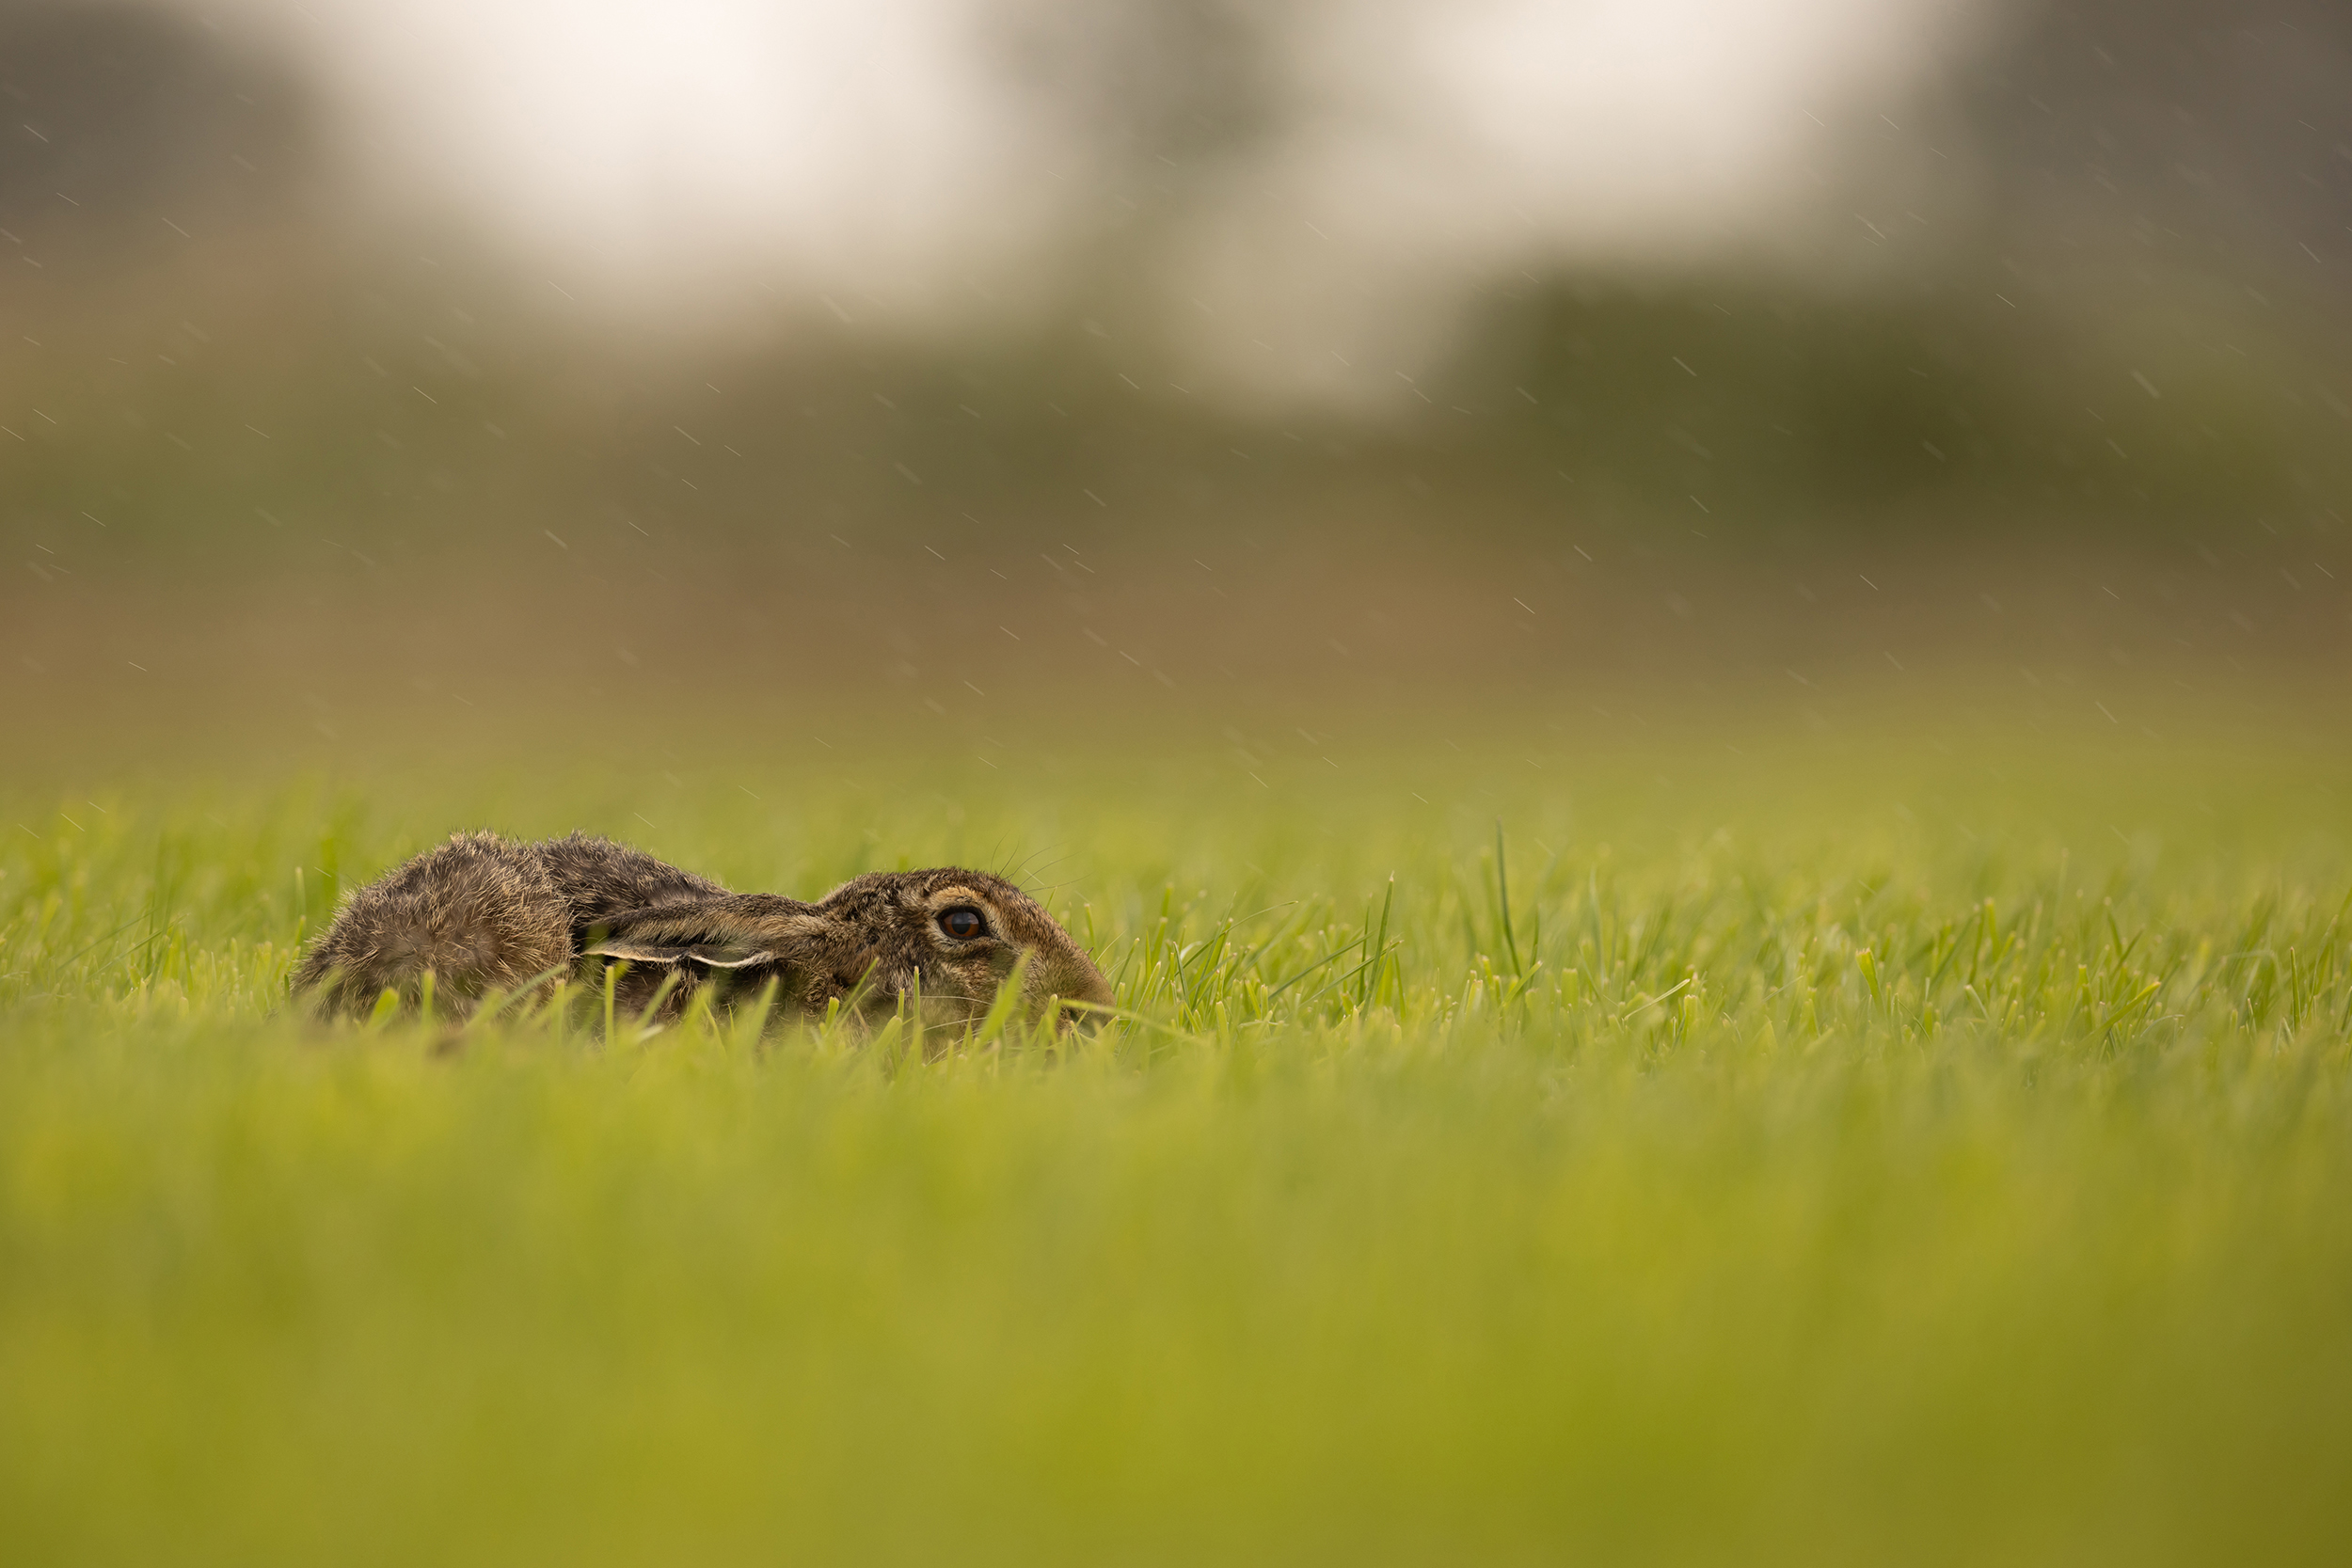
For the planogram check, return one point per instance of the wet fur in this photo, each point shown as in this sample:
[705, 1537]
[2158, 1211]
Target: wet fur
[483, 914]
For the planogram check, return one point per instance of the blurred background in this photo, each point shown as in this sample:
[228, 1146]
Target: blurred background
[967, 362]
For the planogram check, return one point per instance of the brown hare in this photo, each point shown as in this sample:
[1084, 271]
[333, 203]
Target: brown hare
[484, 913]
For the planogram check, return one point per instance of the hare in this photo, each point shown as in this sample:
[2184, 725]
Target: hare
[484, 913]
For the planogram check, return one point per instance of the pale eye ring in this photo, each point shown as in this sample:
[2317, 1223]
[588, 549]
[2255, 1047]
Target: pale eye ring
[963, 923]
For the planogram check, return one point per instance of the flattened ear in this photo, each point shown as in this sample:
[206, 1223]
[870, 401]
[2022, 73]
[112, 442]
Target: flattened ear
[714, 955]
[717, 938]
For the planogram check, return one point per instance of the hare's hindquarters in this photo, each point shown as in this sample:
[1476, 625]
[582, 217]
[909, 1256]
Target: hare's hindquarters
[479, 914]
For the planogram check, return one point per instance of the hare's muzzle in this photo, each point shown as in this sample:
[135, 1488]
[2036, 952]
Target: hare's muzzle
[1074, 1016]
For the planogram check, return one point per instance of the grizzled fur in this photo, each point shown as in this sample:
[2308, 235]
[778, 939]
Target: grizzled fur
[484, 913]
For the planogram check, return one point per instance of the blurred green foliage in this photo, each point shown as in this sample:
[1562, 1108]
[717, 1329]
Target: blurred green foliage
[450, 411]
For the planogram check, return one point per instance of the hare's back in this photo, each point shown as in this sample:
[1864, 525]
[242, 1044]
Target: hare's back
[597, 879]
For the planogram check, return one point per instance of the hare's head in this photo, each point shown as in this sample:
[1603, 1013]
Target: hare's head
[959, 935]
[953, 936]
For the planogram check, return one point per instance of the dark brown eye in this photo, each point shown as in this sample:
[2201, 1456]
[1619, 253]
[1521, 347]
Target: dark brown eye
[961, 924]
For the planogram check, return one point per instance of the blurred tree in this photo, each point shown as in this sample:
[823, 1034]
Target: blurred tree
[126, 115]
[2135, 308]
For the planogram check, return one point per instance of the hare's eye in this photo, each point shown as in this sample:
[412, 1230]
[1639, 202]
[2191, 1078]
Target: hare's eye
[961, 924]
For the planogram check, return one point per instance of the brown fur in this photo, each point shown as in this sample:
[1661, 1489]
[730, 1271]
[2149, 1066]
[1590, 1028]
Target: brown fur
[484, 913]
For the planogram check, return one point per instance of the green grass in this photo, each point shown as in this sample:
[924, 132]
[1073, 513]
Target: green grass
[1864, 1152]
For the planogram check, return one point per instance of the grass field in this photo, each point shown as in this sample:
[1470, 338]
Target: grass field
[1888, 1148]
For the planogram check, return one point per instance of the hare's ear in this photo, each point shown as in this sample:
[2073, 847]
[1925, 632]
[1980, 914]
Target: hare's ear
[715, 938]
[714, 955]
